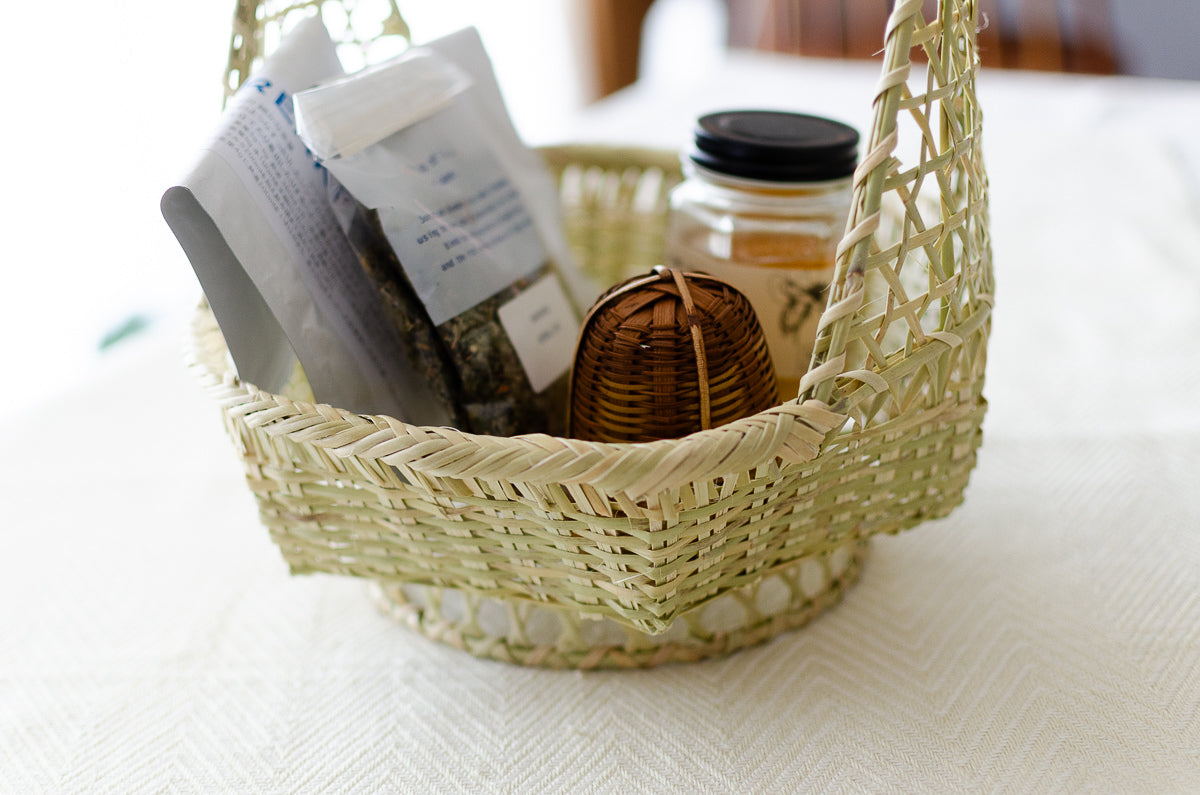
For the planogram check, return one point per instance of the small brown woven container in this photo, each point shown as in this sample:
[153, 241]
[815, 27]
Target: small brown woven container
[667, 354]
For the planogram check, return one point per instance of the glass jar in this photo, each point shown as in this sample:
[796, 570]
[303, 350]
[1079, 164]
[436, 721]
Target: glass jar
[763, 206]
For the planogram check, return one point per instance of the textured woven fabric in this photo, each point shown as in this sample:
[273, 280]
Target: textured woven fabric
[1044, 637]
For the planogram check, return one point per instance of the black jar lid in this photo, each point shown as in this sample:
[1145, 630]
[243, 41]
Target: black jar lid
[775, 146]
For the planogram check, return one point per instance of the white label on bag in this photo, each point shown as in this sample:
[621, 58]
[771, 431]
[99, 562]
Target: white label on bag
[543, 329]
[464, 232]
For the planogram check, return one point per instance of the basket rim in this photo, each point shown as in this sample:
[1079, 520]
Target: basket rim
[793, 432]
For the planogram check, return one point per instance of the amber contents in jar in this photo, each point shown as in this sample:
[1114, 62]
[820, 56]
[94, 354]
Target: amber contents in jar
[763, 207]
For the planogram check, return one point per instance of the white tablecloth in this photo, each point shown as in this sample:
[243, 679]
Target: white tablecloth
[1045, 637]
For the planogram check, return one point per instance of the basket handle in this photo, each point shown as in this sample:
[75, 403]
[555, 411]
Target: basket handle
[906, 29]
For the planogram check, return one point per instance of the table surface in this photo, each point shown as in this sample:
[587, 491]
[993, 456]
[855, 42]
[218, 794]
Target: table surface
[1044, 637]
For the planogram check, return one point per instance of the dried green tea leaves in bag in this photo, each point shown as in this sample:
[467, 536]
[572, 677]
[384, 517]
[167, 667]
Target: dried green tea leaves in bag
[462, 207]
[427, 356]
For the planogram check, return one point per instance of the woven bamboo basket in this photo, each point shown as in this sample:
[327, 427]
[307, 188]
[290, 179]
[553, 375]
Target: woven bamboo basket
[559, 552]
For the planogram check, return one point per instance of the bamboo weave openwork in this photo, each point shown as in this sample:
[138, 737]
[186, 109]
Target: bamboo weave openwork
[559, 552]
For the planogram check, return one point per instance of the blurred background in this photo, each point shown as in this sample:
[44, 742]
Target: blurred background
[107, 103]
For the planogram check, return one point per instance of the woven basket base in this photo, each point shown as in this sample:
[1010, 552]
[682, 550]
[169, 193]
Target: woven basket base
[528, 633]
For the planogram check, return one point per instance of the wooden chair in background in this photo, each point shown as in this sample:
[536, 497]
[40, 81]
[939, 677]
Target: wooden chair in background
[1046, 35]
